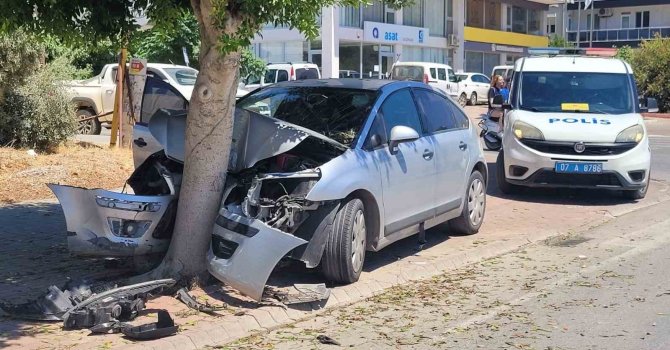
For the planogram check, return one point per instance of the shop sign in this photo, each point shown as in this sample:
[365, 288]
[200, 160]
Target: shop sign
[394, 34]
[505, 48]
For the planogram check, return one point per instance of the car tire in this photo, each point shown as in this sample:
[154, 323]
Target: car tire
[472, 215]
[90, 126]
[463, 100]
[473, 99]
[492, 146]
[344, 253]
[504, 186]
[638, 194]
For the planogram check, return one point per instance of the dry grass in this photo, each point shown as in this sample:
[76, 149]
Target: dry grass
[24, 177]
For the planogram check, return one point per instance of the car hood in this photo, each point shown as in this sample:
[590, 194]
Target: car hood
[585, 127]
[255, 137]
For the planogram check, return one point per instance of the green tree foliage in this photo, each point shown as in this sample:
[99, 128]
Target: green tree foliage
[164, 42]
[35, 110]
[251, 65]
[558, 41]
[651, 64]
[625, 53]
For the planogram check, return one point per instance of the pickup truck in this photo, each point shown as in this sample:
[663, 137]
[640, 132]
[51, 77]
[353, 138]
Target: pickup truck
[95, 96]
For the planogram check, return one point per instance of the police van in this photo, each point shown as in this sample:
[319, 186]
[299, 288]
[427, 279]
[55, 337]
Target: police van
[573, 120]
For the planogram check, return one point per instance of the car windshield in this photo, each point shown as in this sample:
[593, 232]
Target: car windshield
[608, 93]
[183, 76]
[337, 113]
[408, 73]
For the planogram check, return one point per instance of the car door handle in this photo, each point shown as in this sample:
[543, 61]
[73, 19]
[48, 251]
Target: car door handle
[109, 92]
[140, 142]
[428, 154]
[463, 146]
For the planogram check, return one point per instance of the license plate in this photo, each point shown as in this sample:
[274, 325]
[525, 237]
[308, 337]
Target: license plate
[578, 168]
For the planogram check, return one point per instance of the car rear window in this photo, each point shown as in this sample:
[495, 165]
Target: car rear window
[408, 73]
[306, 73]
[183, 76]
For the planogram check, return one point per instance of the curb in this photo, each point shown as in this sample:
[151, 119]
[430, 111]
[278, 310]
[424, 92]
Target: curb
[656, 115]
[231, 328]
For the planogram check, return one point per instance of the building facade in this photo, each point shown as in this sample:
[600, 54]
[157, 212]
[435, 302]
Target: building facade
[615, 23]
[472, 35]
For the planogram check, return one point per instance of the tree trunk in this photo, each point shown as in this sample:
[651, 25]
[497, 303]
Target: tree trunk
[207, 149]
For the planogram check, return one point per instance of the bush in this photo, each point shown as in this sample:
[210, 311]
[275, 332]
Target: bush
[652, 71]
[35, 108]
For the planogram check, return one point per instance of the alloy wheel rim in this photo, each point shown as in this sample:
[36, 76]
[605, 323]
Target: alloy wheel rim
[85, 126]
[462, 100]
[476, 202]
[358, 241]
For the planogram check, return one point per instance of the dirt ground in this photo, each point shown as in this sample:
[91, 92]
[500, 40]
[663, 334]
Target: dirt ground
[24, 177]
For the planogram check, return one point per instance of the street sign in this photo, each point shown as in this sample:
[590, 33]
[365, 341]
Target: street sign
[138, 66]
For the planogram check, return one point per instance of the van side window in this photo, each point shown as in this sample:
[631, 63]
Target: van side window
[270, 75]
[441, 74]
[433, 73]
[282, 75]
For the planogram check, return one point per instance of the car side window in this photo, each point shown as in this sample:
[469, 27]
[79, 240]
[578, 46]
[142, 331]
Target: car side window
[436, 113]
[475, 79]
[270, 75]
[433, 73]
[485, 79]
[378, 131]
[154, 73]
[399, 109]
[441, 74]
[282, 75]
[160, 95]
[461, 119]
[252, 79]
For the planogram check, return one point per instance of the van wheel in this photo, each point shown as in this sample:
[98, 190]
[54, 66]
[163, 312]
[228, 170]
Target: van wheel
[463, 99]
[472, 216]
[473, 99]
[504, 186]
[344, 253]
[87, 126]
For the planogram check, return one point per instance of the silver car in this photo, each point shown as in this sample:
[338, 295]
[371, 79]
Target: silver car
[355, 165]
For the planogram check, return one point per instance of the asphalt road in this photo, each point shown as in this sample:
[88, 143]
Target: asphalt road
[606, 288]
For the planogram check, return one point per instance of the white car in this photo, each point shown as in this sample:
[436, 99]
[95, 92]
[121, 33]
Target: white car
[473, 88]
[574, 121]
[437, 75]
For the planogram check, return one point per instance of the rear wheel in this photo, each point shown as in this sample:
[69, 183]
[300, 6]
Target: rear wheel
[344, 253]
[472, 216]
[473, 99]
[87, 125]
[463, 100]
[504, 186]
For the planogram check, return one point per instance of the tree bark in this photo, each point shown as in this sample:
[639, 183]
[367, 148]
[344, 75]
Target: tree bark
[207, 149]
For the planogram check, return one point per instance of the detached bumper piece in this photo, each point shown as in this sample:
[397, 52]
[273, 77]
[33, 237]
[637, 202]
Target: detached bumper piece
[163, 328]
[245, 251]
[112, 224]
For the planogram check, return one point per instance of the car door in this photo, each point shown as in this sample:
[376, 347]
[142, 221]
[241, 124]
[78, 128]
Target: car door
[108, 89]
[483, 84]
[451, 147]
[408, 176]
[158, 94]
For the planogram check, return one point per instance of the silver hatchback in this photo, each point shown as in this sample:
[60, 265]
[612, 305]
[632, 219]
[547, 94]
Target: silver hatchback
[341, 167]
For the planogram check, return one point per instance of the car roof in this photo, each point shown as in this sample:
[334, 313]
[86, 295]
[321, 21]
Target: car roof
[350, 83]
[414, 63]
[573, 64]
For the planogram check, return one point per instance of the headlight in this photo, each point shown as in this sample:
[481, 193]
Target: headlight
[128, 228]
[633, 134]
[526, 131]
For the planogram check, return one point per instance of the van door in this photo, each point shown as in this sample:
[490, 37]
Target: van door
[158, 94]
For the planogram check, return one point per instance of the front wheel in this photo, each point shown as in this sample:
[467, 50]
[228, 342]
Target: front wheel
[472, 216]
[87, 125]
[463, 100]
[344, 253]
[473, 99]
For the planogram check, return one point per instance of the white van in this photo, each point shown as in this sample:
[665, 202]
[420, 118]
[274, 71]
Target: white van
[504, 71]
[277, 72]
[574, 120]
[437, 75]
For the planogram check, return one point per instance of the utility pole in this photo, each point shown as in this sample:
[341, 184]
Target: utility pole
[579, 22]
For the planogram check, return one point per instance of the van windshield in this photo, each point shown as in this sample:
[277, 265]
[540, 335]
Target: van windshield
[608, 93]
[408, 73]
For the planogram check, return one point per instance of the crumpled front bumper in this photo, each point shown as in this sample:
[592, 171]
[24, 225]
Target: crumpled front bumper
[91, 214]
[244, 252]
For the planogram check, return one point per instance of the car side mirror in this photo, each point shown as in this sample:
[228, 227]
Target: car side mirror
[400, 134]
[649, 105]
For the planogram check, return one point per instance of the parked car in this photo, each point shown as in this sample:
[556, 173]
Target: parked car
[437, 75]
[350, 74]
[574, 121]
[278, 72]
[337, 168]
[96, 95]
[473, 88]
[506, 72]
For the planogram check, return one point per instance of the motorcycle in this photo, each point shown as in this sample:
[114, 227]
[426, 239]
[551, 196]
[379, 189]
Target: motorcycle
[491, 131]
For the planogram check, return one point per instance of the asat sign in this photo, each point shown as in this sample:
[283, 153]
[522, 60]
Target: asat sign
[394, 34]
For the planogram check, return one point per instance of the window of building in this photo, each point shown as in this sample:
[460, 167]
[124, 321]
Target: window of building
[350, 16]
[413, 15]
[493, 14]
[625, 20]
[434, 17]
[534, 22]
[474, 14]
[642, 19]
[374, 12]
[551, 24]
[519, 19]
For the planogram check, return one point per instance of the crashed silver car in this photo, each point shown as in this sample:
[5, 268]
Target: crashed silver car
[346, 166]
[320, 171]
